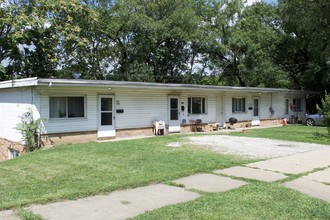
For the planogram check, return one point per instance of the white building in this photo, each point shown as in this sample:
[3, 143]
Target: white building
[88, 110]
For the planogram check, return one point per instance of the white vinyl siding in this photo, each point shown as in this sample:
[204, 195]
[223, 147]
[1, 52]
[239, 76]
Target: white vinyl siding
[140, 107]
[78, 124]
[13, 103]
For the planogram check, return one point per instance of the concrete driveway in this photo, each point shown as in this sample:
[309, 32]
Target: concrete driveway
[260, 148]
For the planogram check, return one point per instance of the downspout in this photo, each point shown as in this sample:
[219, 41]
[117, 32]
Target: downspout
[271, 110]
[33, 92]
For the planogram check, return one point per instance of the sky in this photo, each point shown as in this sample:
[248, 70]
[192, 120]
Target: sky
[249, 2]
[270, 1]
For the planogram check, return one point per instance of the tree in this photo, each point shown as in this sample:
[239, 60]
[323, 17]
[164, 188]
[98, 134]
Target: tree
[152, 39]
[325, 110]
[34, 33]
[240, 43]
[304, 52]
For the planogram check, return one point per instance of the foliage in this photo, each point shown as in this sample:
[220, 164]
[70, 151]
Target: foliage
[27, 215]
[304, 52]
[218, 42]
[30, 130]
[325, 110]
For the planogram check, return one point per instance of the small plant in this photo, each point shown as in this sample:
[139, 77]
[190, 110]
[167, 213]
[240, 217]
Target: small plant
[27, 215]
[30, 130]
[325, 110]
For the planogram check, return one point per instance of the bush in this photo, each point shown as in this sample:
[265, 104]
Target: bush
[30, 130]
[325, 110]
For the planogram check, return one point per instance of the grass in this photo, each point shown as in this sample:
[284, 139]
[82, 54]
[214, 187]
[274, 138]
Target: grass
[254, 201]
[258, 200]
[300, 133]
[80, 170]
[27, 215]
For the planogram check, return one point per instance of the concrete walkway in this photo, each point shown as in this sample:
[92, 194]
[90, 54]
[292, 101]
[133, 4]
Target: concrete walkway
[132, 202]
[117, 205]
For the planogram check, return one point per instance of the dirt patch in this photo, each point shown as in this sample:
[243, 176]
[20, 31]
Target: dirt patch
[252, 147]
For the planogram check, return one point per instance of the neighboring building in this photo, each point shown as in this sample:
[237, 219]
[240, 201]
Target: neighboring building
[88, 110]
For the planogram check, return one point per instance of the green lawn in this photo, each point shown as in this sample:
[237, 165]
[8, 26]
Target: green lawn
[316, 134]
[73, 171]
[80, 170]
[257, 200]
[254, 201]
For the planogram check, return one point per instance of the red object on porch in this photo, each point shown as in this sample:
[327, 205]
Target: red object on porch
[284, 122]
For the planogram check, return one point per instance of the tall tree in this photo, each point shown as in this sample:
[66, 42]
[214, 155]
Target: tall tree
[34, 32]
[305, 50]
[152, 39]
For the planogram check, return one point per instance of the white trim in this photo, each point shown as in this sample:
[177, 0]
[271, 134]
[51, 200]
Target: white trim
[106, 130]
[174, 125]
[68, 118]
[120, 84]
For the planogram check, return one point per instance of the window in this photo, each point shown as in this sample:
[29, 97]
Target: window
[196, 105]
[297, 104]
[286, 106]
[12, 153]
[238, 105]
[67, 107]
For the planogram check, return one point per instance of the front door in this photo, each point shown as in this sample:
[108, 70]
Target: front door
[256, 117]
[106, 112]
[174, 114]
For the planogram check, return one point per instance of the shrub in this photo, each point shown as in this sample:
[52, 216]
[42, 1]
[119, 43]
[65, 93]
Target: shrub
[30, 130]
[325, 110]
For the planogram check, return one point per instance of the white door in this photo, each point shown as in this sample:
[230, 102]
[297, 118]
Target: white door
[174, 114]
[106, 125]
[220, 110]
[256, 112]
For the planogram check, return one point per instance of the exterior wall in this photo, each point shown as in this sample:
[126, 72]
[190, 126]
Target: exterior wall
[141, 107]
[276, 101]
[13, 103]
[67, 138]
[209, 116]
[89, 123]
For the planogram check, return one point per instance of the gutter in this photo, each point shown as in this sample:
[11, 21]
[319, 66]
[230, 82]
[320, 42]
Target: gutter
[139, 85]
[143, 85]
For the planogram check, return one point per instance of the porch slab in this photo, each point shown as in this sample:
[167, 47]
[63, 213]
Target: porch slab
[210, 183]
[320, 176]
[8, 215]
[311, 188]
[252, 173]
[296, 164]
[117, 205]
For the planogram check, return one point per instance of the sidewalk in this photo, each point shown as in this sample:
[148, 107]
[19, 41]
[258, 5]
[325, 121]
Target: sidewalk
[132, 202]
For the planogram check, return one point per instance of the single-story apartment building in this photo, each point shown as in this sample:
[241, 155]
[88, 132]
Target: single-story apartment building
[77, 110]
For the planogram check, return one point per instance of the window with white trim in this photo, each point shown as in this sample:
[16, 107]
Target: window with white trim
[196, 105]
[67, 107]
[12, 153]
[238, 105]
[286, 108]
[297, 104]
